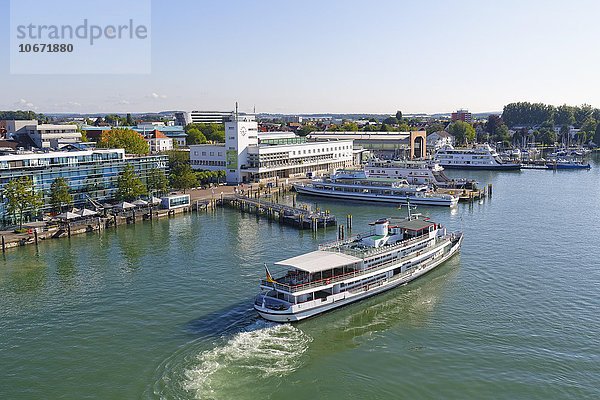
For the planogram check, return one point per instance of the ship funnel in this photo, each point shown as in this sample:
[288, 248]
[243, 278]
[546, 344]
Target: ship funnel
[381, 228]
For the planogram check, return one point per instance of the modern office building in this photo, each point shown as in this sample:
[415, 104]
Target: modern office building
[249, 156]
[382, 144]
[90, 173]
[42, 135]
[201, 117]
[462, 115]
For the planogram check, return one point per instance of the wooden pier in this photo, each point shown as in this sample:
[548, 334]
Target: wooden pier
[300, 218]
[468, 195]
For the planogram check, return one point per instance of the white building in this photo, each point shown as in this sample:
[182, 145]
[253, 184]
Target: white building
[44, 135]
[250, 156]
[201, 117]
[158, 142]
[439, 139]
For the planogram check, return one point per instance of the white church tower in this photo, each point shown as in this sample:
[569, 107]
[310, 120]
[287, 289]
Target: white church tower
[241, 131]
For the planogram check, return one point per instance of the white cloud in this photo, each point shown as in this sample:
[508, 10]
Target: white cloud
[25, 103]
[155, 95]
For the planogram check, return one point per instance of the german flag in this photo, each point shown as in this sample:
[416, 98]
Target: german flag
[269, 276]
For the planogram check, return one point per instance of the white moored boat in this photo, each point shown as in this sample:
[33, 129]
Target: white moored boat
[416, 172]
[355, 185]
[479, 157]
[395, 252]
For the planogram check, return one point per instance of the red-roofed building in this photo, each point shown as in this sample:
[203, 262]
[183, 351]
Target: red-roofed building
[159, 142]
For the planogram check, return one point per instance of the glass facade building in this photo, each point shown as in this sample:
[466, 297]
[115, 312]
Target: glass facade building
[90, 173]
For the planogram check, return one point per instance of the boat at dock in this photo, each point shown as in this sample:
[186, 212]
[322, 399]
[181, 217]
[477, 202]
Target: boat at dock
[395, 252]
[416, 172]
[355, 185]
[567, 164]
[481, 157]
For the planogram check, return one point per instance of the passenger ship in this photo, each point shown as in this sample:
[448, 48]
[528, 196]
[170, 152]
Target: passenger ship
[355, 185]
[480, 157]
[416, 172]
[395, 252]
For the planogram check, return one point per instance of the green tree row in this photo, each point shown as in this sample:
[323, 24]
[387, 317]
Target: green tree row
[204, 133]
[533, 114]
[121, 138]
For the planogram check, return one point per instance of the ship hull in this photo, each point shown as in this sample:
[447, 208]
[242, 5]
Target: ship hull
[499, 167]
[378, 198]
[288, 316]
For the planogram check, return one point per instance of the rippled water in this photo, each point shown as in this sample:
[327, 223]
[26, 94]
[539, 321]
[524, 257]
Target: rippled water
[163, 309]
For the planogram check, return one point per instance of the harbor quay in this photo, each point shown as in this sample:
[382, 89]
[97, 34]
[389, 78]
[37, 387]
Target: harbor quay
[196, 200]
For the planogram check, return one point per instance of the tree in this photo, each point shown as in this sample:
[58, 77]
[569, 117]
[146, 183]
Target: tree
[582, 114]
[435, 127]
[59, 194]
[212, 132]
[596, 138]
[565, 115]
[195, 136]
[129, 120]
[391, 121]
[527, 114]
[462, 131]
[501, 134]
[127, 139]
[184, 179]
[182, 176]
[306, 129]
[129, 185]
[587, 130]
[547, 135]
[349, 127]
[157, 182]
[21, 197]
[399, 115]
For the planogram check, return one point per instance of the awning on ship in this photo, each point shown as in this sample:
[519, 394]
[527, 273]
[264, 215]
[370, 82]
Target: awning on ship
[317, 261]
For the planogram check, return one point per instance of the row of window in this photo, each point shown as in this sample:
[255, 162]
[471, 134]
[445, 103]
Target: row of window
[211, 153]
[319, 150]
[208, 162]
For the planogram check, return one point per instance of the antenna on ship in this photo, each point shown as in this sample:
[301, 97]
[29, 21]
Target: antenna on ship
[409, 208]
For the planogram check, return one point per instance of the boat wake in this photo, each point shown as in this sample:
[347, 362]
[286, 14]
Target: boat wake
[231, 370]
[262, 352]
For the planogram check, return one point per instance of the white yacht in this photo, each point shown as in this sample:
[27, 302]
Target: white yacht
[416, 172]
[395, 252]
[355, 185]
[479, 157]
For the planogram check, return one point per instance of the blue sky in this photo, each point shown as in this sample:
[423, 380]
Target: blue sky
[338, 56]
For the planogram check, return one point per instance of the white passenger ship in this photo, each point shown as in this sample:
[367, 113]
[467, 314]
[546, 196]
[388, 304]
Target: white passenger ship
[480, 157]
[339, 273]
[416, 172]
[355, 185]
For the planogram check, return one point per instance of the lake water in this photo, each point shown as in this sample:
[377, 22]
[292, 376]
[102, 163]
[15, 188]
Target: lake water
[164, 309]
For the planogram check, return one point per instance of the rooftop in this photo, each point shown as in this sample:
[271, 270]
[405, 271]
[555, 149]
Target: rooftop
[317, 261]
[412, 225]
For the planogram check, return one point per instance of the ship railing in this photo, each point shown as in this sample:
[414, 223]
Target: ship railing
[337, 243]
[372, 251]
[337, 278]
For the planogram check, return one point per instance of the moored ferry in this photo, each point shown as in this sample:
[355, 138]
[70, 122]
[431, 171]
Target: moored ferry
[416, 172]
[395, 252]
[479, 157]
[355, 185]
